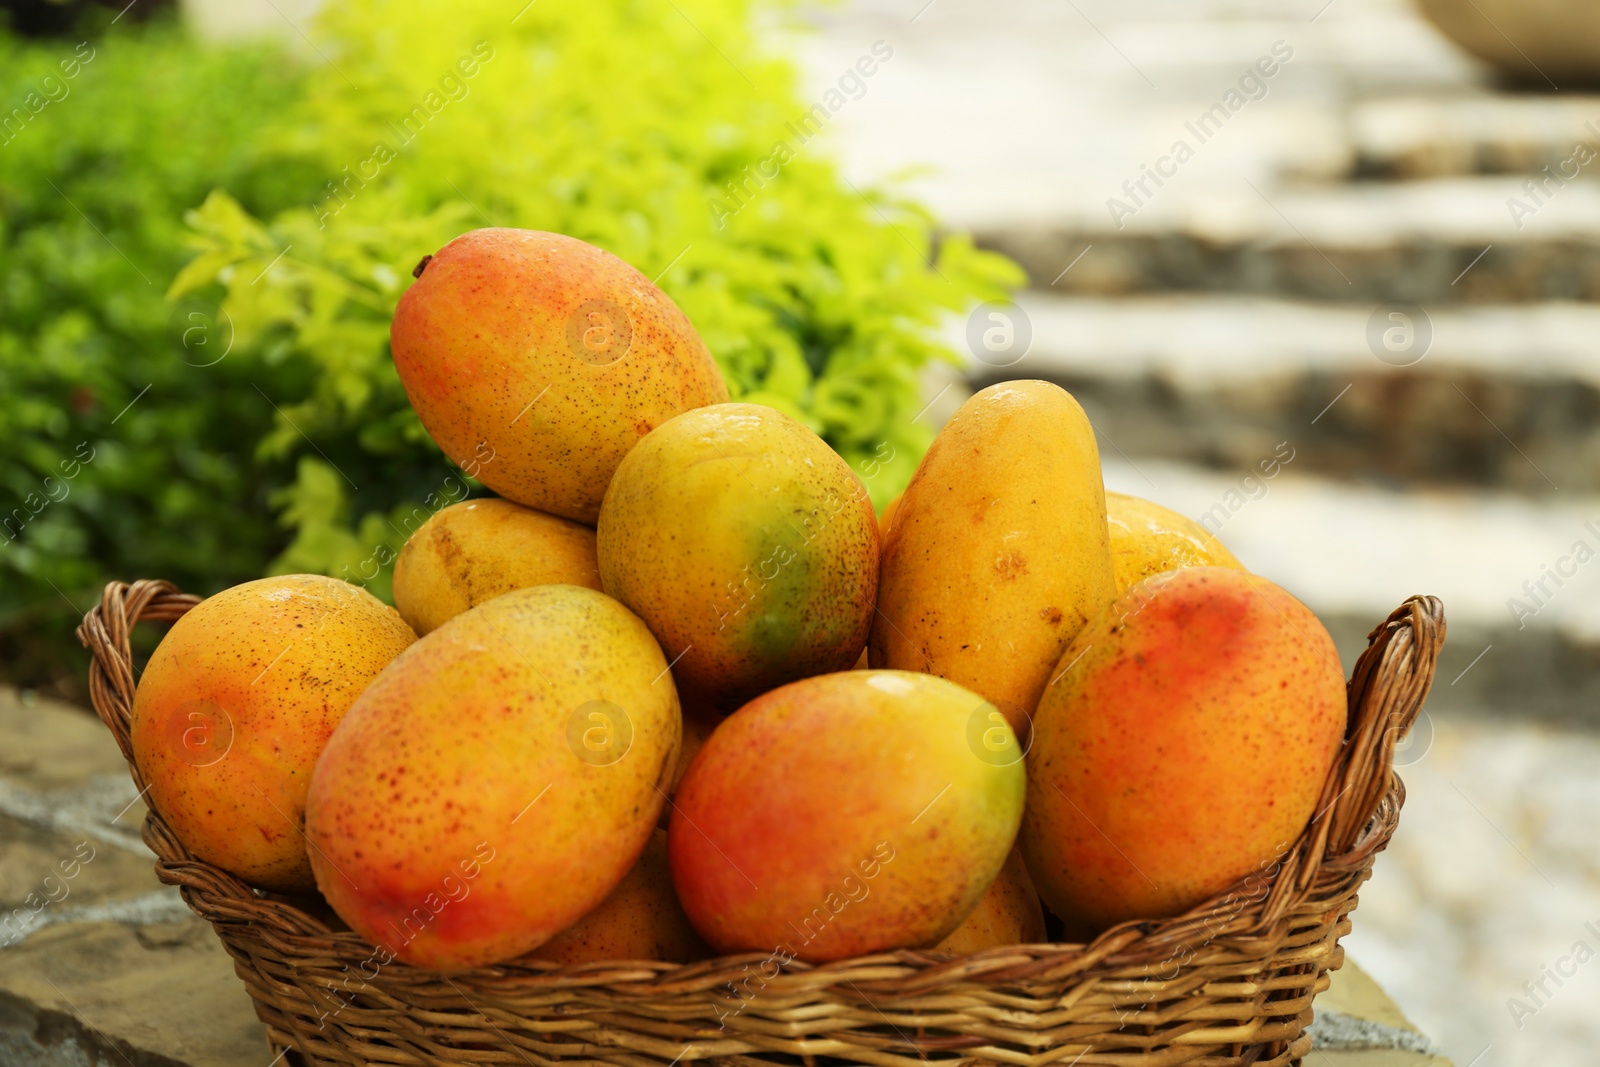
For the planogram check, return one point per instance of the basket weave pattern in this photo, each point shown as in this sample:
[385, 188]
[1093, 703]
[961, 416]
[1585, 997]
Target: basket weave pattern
[1231, 982]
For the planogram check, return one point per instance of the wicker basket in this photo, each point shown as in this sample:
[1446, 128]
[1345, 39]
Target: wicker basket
[1229, 983]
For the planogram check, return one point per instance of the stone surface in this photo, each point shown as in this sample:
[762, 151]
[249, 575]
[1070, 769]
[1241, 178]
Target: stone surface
[45, 751]
[1506, 397]
[99, 962]
[1433, 137]
[1031, 112]
[1023, 121]
[1483, 917]
[1357, 1025]
[1364, 242]
[108, 993]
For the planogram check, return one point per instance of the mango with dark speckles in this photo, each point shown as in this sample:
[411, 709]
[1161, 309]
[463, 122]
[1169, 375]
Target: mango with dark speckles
[236, 704]
[1147, 539]
[997, 553]
[640, 920]
[536, 361]
[1008, 914]
[498, 780]
[1182, 747]
[748, 545]
[846, 814]
[478, 549]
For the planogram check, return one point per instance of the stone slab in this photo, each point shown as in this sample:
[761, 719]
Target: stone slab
[100, 993]
[1419, 241]
[1022, 121]
[1483, 915]
[1503, 397]
[1429, 136]
[46, 751]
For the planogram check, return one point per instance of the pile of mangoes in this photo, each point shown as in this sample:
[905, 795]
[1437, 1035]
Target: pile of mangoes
[679, 692]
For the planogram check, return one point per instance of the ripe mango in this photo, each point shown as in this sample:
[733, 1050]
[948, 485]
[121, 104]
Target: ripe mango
[997, 554]
[498, 780]
[475, 550]
[640, 920]
[1182, 746]
[886, 516]
[236, 704]
[540, 360]
[1147, 539]
[697, 726]
[748, 545]
[845, 814]
[1008, 914]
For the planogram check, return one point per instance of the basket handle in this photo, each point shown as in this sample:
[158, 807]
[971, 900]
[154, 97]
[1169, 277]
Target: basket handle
[1385, 694]
[107, 632]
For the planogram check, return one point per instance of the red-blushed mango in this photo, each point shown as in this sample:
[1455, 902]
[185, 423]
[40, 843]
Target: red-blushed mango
[1147, 539]
[475, 550]
[237, 703]
[1008, 914]
[748, 545]
[640, 920]
[997, 554]
[537, 361]
[498, 780]
[843, 815]
[1182, 746]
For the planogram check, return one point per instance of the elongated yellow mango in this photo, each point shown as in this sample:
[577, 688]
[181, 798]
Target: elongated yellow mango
[998, 554]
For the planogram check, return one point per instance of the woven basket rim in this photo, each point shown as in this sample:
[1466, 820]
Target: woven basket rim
[1253, 921]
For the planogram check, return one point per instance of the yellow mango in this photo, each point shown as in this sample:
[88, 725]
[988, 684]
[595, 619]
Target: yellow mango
[997, 554]
[1147, 539]
[748, 545]
[640, 920]
[886, 516]
[1008, 914]
[475, 550]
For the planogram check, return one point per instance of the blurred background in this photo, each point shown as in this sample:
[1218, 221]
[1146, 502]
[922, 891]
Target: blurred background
[1323, 273]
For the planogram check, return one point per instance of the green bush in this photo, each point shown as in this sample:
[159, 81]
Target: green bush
[273, 433]
[93, 186]
[676, 144]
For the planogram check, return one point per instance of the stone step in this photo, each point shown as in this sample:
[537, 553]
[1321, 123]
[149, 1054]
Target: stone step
[99, 962]
[1503, 397]
[1488, 889]
[1026, 106]
[1519, 579]
[1407, 137]
[1021, 122]
[1439, 241]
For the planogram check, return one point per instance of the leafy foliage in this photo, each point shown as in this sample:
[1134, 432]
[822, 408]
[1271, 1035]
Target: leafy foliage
[93, 187]
[267, 428]
[660, 133]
